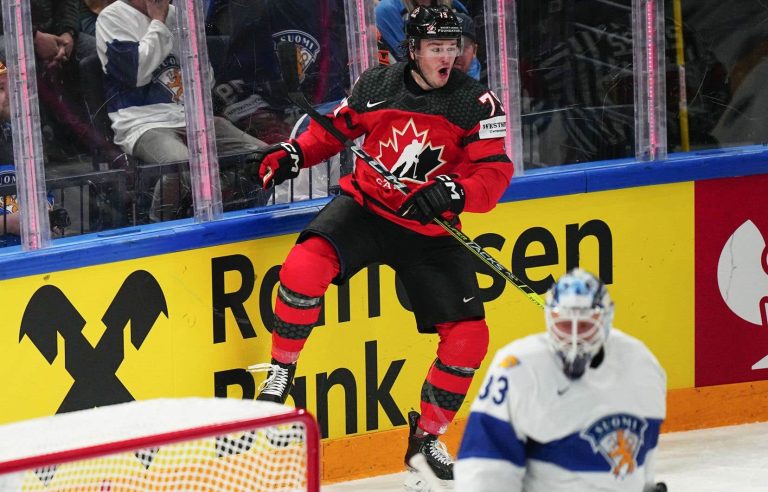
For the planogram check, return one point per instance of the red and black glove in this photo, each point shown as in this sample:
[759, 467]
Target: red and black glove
[273, 164]
[440, 195]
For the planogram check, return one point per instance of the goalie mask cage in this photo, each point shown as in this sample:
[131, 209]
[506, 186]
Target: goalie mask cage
[185, 444]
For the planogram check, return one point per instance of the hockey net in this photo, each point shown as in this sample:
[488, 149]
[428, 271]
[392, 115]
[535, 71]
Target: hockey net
[187, 444]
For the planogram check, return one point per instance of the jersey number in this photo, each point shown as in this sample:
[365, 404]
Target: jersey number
[496, 388]
[490, 98]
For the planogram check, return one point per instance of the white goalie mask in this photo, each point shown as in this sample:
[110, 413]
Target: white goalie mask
[579, 313]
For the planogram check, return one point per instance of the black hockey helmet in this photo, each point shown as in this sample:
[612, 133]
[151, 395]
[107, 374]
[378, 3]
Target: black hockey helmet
[432, 23]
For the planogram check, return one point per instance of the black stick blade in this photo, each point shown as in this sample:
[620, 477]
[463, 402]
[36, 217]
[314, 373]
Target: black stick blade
[288, 56]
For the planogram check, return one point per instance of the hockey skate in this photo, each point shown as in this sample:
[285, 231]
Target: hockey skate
[275, 389]
[278, 383]
[437, 470]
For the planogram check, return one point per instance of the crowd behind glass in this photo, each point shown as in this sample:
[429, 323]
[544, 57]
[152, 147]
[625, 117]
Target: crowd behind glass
[576, 83]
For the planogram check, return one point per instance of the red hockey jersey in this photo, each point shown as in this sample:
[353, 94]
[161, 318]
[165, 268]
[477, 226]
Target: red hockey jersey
[458, 130]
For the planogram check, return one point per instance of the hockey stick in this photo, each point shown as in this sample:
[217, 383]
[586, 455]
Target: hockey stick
[291, 70]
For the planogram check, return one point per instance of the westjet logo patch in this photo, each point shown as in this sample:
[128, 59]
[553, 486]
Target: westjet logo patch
[495, 127]
[618, 438]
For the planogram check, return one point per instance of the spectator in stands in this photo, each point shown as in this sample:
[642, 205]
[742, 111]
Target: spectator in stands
[9, 207]
[249, 90]
[89, 11]
[57, 37]
[140, 57]
[59, 47]
[391, 16]
[467, 62]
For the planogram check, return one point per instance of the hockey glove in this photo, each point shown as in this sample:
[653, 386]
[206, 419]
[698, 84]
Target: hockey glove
[437, 196]
[273, 164]
[59, 218]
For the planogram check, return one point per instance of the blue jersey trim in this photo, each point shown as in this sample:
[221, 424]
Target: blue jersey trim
[491, 438]
[575, 453]
[121, 78]
[123, 61]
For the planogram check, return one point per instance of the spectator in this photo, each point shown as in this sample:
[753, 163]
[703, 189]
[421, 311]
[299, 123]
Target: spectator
[578, 407]
[59, 47]
[9, 206]
[56, 36]
[249, 89]
[140, 57]
[89, 11]
[391, 16]
[467, 62]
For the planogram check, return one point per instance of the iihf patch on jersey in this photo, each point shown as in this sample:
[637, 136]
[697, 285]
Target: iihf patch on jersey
[495, 127]
[618, 438]
[309, 48]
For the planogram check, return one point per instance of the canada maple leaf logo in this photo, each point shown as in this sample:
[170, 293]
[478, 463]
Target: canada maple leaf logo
[409, 155]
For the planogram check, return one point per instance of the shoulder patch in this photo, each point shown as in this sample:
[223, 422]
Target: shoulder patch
[509, 362]
[495, 127]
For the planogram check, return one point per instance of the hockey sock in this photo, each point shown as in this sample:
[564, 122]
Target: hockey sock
[462, 347]
[304, 277]
[442, 394]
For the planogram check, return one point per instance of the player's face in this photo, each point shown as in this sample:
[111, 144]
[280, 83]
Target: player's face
[435, 58]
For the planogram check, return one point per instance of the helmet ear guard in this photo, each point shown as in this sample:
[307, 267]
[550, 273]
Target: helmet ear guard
[579, 314]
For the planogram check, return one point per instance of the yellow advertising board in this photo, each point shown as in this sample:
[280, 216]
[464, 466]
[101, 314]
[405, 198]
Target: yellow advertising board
[188, 323]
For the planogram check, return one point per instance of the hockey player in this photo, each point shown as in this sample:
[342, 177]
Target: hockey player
[577, 408]
[460, 165]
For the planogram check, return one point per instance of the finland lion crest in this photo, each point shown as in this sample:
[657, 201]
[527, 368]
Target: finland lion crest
[618, 438]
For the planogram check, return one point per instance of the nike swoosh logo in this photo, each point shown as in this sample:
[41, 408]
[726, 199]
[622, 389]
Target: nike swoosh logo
[465, 299]
[561, 391]
[373, 105]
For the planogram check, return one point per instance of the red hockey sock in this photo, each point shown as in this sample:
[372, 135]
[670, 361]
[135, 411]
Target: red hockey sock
[462, 347]
[304, 277]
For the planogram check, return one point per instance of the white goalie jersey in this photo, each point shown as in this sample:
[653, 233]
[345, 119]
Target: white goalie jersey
[532, 429]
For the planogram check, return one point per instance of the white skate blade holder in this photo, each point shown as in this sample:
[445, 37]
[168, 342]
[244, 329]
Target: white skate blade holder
[421, 478]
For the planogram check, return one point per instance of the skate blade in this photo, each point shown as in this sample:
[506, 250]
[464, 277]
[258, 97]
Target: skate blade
[415, 482]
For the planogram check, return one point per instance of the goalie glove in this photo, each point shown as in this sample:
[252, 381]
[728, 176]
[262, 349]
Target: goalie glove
[273, 164]
[442, 194]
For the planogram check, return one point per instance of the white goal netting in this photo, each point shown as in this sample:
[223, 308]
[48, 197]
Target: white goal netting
[186, 444]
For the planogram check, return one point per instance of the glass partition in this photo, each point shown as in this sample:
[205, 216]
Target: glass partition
[577, 81]
[25, 200]
[717, 64]
[120, 120]
[248, 93]
[504, 71]
[10, 226]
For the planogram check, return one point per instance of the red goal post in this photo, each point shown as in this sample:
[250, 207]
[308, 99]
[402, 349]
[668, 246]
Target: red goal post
[201, 444]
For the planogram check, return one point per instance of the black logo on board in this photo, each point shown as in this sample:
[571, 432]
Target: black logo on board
[137, 304]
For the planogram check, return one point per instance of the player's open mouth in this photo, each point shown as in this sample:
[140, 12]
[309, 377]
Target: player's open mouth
[443, 71]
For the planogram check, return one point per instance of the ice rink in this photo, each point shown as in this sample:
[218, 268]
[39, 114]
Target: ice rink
[724, 459]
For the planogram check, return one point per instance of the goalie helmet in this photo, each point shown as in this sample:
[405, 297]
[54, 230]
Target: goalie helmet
[578, 313]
